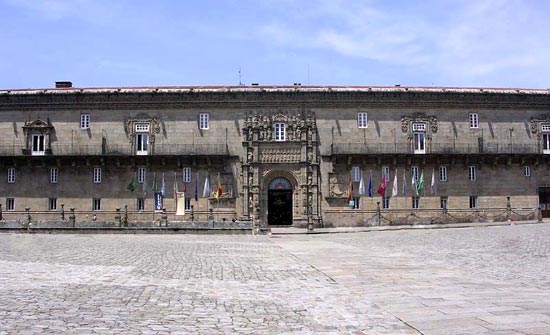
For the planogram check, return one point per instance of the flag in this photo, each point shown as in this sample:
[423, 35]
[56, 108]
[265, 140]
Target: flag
[218, 193]
[132, 185]
[144, 186]
[382, 187]
[420, 184]
[350, 190]
[413, 183]
[433, 181]
[394, 190]
[180, 203]
[197, 188]
[206, 189]
[362, 190]
[163, 187]
[154, 186]
[184, 187]
[175, 186]
[370, 184]
[404, 181]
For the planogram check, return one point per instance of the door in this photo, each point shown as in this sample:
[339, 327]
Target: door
[279, 207]
[142, 144]
[544, 201]
[419, 143]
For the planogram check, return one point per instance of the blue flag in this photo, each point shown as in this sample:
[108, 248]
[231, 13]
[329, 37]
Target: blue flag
[370, 185]
[197, 188]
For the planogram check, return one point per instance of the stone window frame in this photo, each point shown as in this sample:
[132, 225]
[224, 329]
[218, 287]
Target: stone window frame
[472, 173]
[96, 175]
[187, 174]
[204, 121]
[431, 128]
[52, 204]
[473, 202]
[386, 202]
[85, 119]
[134, 123]
[11, 175]
[527, 171]
[141, 175]
[279, 131]
[54, 175]
[10, 204]
[356, 174]
[362, 120]
[474, 120]
[443, 176]
[140, 204]
[96, 204]
[38, 128]
[415, 202]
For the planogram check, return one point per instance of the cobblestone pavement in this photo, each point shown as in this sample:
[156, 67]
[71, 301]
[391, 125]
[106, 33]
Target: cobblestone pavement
[449, 281]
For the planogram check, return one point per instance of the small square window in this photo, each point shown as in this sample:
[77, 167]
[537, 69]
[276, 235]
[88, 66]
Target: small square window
[527, 171]
[52, 204]
[473, 201]
[415, 202]
[356, 202]
[204, 120]
[142, 127]
[140, 204]
[545, 128]
[443, 173]
[355, 174]
[474, 120]
[362, 121]
[385, 202]
[10, 204]
[472, 173]
[96, 204]
[141, 175]
[186, 174]
[419, 127]
[84, 121]
[54, 172]
[97, 175]
[11, 175]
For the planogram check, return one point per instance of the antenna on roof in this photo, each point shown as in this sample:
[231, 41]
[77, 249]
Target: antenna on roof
[240, 78]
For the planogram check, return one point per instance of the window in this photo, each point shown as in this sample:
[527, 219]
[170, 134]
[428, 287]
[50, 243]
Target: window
[415, 202]
[140, 204]
[84, 121]
[442, 173]
[187, 204]
[385, 202]
[203, 121]
[141, 175]
[97, 175]
[356, 201]
[355, 174]
[474, 120]
[280, 132]
[11, 175]
[96, 204]
[527, 171]
[142, 127]
[52, 204]
[473, 201]
[419, 127]
[419, 139]
[414, 173]
[386, 172]
[38, 148]
[10, 204]
[472, 173]
[362, 120]
[545, 128]
[186, 174]
[53, 175]
[443, 202]
[142, 143]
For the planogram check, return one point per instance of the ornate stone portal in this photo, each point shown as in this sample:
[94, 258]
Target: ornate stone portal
[294, 158]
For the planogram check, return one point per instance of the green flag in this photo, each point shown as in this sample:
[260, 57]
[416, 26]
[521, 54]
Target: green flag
[420, 184]
[132, 185]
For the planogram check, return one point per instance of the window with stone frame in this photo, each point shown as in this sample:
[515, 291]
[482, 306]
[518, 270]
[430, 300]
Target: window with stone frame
[473, 201]
[474, 120]
[527, 171]
[54, 173]
[141, 175]
[52, 204]
[204, 121]
[443, 202]
[443, 173]
[355, 174]
[362, 121]
[96, 204]
[38, 136]
[415, 202]
[141, 131]
[472, 173]
[11, 175]
[140, 204]
[10, 204]
[97, 175]
[385, 202]
[279, 131]
[186, 174]
[85, 121]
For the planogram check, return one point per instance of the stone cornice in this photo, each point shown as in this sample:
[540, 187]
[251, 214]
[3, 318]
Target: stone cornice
[258, 98]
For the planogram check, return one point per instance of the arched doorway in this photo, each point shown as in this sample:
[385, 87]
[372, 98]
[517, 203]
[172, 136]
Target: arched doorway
[279, 202]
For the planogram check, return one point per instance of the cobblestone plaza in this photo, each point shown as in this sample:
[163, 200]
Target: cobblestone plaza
[447, 281]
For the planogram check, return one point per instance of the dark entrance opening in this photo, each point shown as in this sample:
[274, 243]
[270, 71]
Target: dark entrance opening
[279, 202]
[544, 201]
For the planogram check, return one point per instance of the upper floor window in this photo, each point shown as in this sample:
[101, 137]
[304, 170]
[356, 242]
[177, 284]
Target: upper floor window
[414, 173]
[474, 120]
[419, 127]
[442, 173]
[545, 129]
[54, 172]
[142, 127]
[186, 174]
[386, 172]
[38, 146]
[280, 131]
[84, 121]
[472, 172]
[362, 120]
[204, 120]
[141, 175]
[97, 175]
[11, 175]
[527, 171]
[142, 138]
[419, 138]
[355, 174]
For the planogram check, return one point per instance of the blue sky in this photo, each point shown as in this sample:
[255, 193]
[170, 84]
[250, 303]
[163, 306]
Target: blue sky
[490, 43]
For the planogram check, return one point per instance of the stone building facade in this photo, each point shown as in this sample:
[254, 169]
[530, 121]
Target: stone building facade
[286, 155]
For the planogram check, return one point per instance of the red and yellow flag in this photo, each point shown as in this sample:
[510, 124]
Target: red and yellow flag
[218, 192]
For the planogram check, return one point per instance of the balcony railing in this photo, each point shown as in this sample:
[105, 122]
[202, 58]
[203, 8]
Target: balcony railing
[436, 148]
[119, 150]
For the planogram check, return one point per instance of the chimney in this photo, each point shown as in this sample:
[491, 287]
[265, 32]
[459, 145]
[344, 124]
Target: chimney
[63, 84]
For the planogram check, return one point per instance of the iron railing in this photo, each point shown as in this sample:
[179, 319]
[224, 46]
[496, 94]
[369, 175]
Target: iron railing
[436, 148]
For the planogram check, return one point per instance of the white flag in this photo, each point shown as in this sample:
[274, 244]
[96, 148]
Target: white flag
[413, 182]
[433, 180]
[206, 189]
[394, 190]
[163, 187]
[362, 190]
